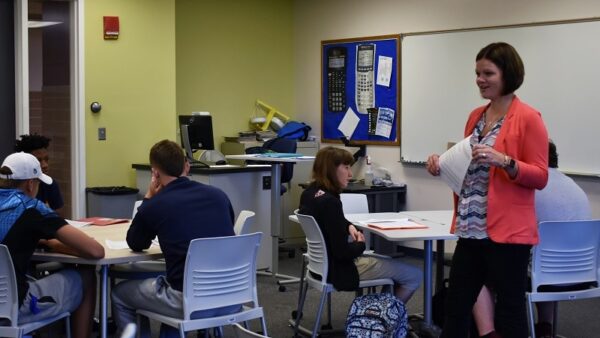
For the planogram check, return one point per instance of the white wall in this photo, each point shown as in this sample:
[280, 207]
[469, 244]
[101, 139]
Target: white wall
[316, 20]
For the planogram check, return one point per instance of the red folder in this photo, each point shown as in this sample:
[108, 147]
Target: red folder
[103, 220]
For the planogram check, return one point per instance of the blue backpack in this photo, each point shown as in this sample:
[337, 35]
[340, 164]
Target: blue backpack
[377, 316]
[294, 130]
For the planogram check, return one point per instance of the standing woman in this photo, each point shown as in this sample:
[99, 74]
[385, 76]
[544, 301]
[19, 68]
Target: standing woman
[495, 214]
[331, 174]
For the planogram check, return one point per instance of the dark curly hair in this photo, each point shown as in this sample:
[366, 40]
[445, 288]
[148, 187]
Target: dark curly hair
[29, 143]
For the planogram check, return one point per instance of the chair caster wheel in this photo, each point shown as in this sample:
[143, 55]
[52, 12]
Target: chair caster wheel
[295, 314]
[282, 288]
[326, 327]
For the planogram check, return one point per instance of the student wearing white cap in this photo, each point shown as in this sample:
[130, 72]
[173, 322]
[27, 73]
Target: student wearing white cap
[26, 222]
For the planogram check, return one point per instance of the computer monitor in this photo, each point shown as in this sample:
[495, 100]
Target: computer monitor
[196, 133]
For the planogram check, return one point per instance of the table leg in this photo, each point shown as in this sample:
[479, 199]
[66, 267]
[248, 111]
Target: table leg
[103, 301]
[275, 215]
[276, 227]
[439, 265]
[427, 294]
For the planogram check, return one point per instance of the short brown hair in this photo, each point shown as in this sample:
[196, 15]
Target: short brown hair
[506, 58]
[168, 157]
[324, 171]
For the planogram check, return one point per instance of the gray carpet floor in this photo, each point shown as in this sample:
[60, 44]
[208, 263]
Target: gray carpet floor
[577, 319]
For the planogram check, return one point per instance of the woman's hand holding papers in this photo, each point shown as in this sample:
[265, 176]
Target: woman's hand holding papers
[433, 164]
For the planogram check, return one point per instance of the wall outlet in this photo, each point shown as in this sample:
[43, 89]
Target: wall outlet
[102, 134]
[266, 182]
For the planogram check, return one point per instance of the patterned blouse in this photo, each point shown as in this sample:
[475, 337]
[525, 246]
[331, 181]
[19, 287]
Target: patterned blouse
[471, 220]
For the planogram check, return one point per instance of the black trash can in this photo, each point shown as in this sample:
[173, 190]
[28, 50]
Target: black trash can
[115, 202]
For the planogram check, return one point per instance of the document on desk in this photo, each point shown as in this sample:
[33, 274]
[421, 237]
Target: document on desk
[116, 245]
[77, 224]
[454, 164]
[392, 224]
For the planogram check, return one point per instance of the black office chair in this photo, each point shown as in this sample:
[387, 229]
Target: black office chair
[279, 145]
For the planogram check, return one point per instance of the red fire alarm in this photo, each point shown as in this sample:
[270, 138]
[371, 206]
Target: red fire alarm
[111, 27]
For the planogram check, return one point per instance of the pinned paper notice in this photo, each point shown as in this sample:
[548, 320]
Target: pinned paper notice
[384, 71]
[385, 121]
[349, 123]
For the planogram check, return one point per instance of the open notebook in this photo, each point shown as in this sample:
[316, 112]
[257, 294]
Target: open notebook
[392, 224]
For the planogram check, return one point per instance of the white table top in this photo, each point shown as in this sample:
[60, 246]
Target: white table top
[436, 230]
[438, 223]
[443, 217]
[259, 157]
[114, 232]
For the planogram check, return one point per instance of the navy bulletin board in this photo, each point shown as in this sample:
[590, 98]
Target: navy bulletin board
[385, 97]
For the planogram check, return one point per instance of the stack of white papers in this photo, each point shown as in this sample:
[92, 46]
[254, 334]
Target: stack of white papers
[454, 164]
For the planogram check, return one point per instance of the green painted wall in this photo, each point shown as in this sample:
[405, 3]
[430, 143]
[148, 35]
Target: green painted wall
[134, 80]
[229, 53]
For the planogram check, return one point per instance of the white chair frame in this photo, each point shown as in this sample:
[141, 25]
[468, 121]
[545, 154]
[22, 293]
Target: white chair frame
[318, 264]
[244, 222]
[9, 299]
[566, 255]
[213, 281]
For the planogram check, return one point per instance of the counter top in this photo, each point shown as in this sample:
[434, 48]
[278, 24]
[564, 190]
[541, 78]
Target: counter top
[216, 169]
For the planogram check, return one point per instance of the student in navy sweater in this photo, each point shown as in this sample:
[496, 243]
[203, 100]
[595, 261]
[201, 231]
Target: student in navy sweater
[176, 210]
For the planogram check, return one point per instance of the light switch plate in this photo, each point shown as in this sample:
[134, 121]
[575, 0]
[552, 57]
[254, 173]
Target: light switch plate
[102, 134]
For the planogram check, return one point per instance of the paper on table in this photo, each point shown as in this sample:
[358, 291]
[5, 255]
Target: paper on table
[392, 224]
[384, 71]
[454, 164]
[349, 123]
[116, 245]
[77, 224]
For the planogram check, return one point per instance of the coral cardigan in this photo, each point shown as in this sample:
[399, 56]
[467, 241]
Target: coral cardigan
[511, 208]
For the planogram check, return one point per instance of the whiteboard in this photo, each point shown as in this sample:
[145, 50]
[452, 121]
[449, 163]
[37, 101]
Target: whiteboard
[562, 76]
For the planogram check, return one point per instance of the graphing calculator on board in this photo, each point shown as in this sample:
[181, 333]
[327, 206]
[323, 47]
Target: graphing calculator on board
[365, 83]
[336, 79]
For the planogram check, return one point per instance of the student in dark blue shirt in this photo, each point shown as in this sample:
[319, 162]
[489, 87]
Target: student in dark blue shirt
[37, 145]
[176, 210]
